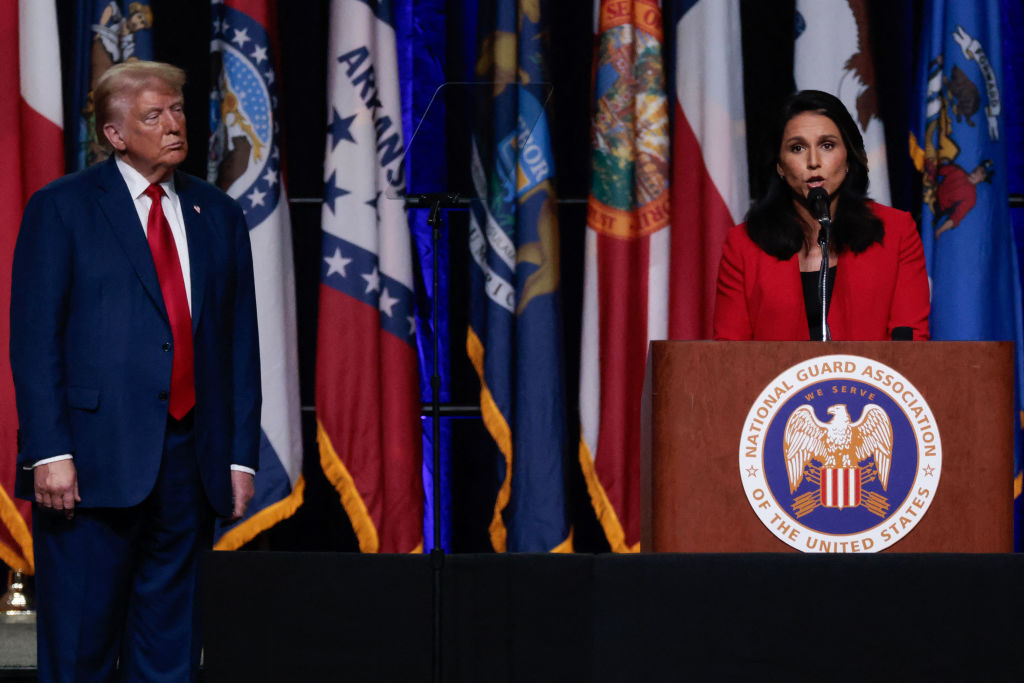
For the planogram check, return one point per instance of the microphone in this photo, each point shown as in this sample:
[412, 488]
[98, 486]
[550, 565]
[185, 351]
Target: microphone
[818, 199]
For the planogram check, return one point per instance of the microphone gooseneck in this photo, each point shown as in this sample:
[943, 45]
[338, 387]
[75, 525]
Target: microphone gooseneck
[818, 200]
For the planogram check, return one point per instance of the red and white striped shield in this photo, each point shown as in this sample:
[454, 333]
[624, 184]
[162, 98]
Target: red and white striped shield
[840, 487]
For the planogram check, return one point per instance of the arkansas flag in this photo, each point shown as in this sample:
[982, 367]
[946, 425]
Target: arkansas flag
[31, 155]
[245, 161]
[710, 191]
[367, 391]
[625, 286]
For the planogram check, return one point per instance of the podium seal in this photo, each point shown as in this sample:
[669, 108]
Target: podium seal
[840, 454]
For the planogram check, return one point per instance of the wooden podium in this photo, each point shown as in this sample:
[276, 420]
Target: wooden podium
[697, 396]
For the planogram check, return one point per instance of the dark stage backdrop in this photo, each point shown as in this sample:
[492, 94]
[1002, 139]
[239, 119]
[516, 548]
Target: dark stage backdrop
[182, 37]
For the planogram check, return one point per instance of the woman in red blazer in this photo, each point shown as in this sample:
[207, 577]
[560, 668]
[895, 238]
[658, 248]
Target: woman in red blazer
[768, 276]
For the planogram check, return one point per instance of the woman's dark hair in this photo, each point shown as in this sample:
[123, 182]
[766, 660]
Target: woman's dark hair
[772, 222]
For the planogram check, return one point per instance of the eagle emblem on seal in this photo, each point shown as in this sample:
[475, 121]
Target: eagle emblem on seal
[843, 456]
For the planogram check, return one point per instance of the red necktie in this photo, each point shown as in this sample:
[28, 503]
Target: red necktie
[172, 285]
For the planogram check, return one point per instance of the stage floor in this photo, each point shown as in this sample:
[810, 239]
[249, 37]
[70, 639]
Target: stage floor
[17, 648]
[647, 617]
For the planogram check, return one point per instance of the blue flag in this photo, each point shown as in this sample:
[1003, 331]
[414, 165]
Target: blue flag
[1013, 89]
[106, 33]
[514, 340]
[959, 146]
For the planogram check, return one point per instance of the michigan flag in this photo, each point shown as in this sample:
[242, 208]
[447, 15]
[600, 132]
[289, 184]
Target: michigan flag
[626, 278]
[31, 118]
[245, 161]
[959, 147]
[107, 32]
[367, 392]
[514, 338]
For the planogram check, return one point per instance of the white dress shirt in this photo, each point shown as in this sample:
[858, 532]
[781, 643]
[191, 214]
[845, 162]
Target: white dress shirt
[137, 186]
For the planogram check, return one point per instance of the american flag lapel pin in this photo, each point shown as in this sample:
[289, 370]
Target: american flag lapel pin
[196, 207]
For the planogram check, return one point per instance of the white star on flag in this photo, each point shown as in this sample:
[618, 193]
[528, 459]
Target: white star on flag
[337, 263]
[259, 53]
[241, 37]
[256, 197]
[270, 177]
[387, 302]
[372, 280]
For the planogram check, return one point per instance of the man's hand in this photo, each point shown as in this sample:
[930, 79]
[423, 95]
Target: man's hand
[242, 490]
[56, 485]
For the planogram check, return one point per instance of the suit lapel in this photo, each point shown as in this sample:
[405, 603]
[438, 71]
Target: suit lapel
[119, 208]
[196, 233]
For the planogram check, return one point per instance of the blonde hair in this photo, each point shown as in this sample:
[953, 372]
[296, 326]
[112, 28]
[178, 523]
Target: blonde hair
[121, 82]
[144, 10]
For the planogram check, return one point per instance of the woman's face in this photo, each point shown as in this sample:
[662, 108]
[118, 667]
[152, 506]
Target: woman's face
[812, 154]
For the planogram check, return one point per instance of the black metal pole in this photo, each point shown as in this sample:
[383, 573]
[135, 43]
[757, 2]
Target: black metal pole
[434, 220]
[436, 202]
[436, 550]
[824, 239]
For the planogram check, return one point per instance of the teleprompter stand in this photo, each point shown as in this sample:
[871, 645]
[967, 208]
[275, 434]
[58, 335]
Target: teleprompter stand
[453, 98]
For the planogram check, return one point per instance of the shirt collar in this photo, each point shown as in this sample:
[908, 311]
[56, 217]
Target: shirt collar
[137, 184]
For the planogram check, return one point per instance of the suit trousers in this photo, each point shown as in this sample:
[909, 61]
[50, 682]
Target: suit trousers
[116, 588]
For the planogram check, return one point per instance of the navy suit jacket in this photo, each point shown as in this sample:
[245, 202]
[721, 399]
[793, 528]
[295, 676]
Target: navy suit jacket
[91, 342]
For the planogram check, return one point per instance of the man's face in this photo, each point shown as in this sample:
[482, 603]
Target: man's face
[151, 133]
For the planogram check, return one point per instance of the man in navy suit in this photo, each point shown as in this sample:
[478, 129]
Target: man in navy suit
[136, 367]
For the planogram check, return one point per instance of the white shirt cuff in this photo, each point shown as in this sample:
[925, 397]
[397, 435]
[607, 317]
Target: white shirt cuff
[243, 468]
[46, 461]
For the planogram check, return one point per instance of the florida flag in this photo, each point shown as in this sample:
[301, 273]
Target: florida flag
[31, 155]
[367, 391]
[626, 278]
[245, 162]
